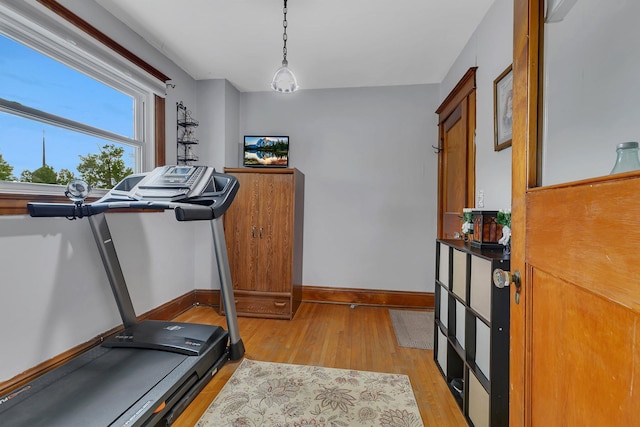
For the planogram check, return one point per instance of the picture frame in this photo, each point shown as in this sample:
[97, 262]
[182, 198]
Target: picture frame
[502, 109]
[266, 151]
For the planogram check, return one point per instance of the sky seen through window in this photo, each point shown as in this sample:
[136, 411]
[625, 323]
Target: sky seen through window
[37, 81]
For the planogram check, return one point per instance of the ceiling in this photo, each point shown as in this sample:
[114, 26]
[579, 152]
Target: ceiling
[331, 43]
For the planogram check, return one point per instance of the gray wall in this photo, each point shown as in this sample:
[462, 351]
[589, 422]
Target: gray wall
[218, 114]
[370, 199]
[591, 93]
[371, 180]
[55, 293]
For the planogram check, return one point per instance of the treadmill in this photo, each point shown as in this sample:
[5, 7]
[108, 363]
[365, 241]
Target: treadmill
[147, 373]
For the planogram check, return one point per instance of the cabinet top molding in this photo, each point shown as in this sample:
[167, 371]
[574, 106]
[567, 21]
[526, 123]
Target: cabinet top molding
[261, 170]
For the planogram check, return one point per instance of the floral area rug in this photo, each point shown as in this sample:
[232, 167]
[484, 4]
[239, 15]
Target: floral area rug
[269, 394]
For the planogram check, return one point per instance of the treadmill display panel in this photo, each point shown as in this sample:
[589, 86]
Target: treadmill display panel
[176, 176]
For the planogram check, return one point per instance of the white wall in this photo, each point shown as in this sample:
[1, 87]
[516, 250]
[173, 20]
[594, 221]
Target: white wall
[371, 180]
[490, 48]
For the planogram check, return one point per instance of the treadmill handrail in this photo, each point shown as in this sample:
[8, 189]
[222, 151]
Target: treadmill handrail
[183, 211]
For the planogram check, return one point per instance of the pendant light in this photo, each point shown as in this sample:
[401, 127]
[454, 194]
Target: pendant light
[284, 81]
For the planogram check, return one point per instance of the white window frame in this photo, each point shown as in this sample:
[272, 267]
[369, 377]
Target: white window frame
[29, 23]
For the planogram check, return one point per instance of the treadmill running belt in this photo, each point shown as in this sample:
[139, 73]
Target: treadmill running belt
[101, 390]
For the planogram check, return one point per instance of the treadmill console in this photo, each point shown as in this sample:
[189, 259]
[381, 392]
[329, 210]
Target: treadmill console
[168, 183]
[176, 176]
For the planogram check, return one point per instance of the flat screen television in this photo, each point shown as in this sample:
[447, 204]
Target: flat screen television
[266, 151]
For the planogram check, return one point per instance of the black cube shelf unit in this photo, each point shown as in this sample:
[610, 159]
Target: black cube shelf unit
[471, 346]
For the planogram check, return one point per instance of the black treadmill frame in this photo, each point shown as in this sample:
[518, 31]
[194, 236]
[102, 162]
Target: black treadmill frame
[176, 389]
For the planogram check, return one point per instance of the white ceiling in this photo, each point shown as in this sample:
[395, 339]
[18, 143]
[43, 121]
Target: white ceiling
[331, 43]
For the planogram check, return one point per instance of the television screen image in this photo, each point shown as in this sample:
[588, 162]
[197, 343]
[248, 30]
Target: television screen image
[266, 151]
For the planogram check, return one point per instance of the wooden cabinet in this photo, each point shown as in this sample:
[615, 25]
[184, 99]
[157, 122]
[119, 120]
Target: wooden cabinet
[263, 230]
[472, 331]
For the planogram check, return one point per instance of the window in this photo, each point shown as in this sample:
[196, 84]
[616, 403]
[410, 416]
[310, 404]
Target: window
[65, 99]
[57, 120]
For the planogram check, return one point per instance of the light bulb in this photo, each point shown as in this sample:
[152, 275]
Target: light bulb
[284, 80]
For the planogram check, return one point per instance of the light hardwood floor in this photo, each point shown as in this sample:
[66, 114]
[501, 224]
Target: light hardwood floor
[334, 336]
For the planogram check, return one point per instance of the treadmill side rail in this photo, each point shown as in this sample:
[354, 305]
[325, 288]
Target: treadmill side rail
[102, 237]
[226, 288]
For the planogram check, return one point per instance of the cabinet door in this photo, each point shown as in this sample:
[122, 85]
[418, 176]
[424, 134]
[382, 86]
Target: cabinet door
[241, 232]
[275, 222]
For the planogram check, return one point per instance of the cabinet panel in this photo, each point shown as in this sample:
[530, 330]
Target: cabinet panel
[275, 233]
[443, 268]
[483, 347]
[478, 403]
[480, 288]
[459, 285]
[444, 306]
[442, 352]
[239, 229]
[460, 323]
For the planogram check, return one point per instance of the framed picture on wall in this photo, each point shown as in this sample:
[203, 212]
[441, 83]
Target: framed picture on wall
[502, 110]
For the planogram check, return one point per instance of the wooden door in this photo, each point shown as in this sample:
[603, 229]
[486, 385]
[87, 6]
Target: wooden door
[275, 223]
[240, 227]
[456, 166]
[574, 333]
[454, 173]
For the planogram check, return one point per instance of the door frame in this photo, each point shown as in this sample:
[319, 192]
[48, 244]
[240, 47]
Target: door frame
[527, 103]
[462, 96]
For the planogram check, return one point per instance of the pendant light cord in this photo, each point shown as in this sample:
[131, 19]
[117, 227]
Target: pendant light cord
[284, 35]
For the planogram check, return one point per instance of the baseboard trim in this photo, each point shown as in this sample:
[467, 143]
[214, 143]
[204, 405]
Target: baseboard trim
[172, 308]
[320, 294]
[209, 297]
[395, 299]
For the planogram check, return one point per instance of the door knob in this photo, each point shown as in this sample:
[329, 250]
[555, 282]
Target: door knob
[503, 278]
